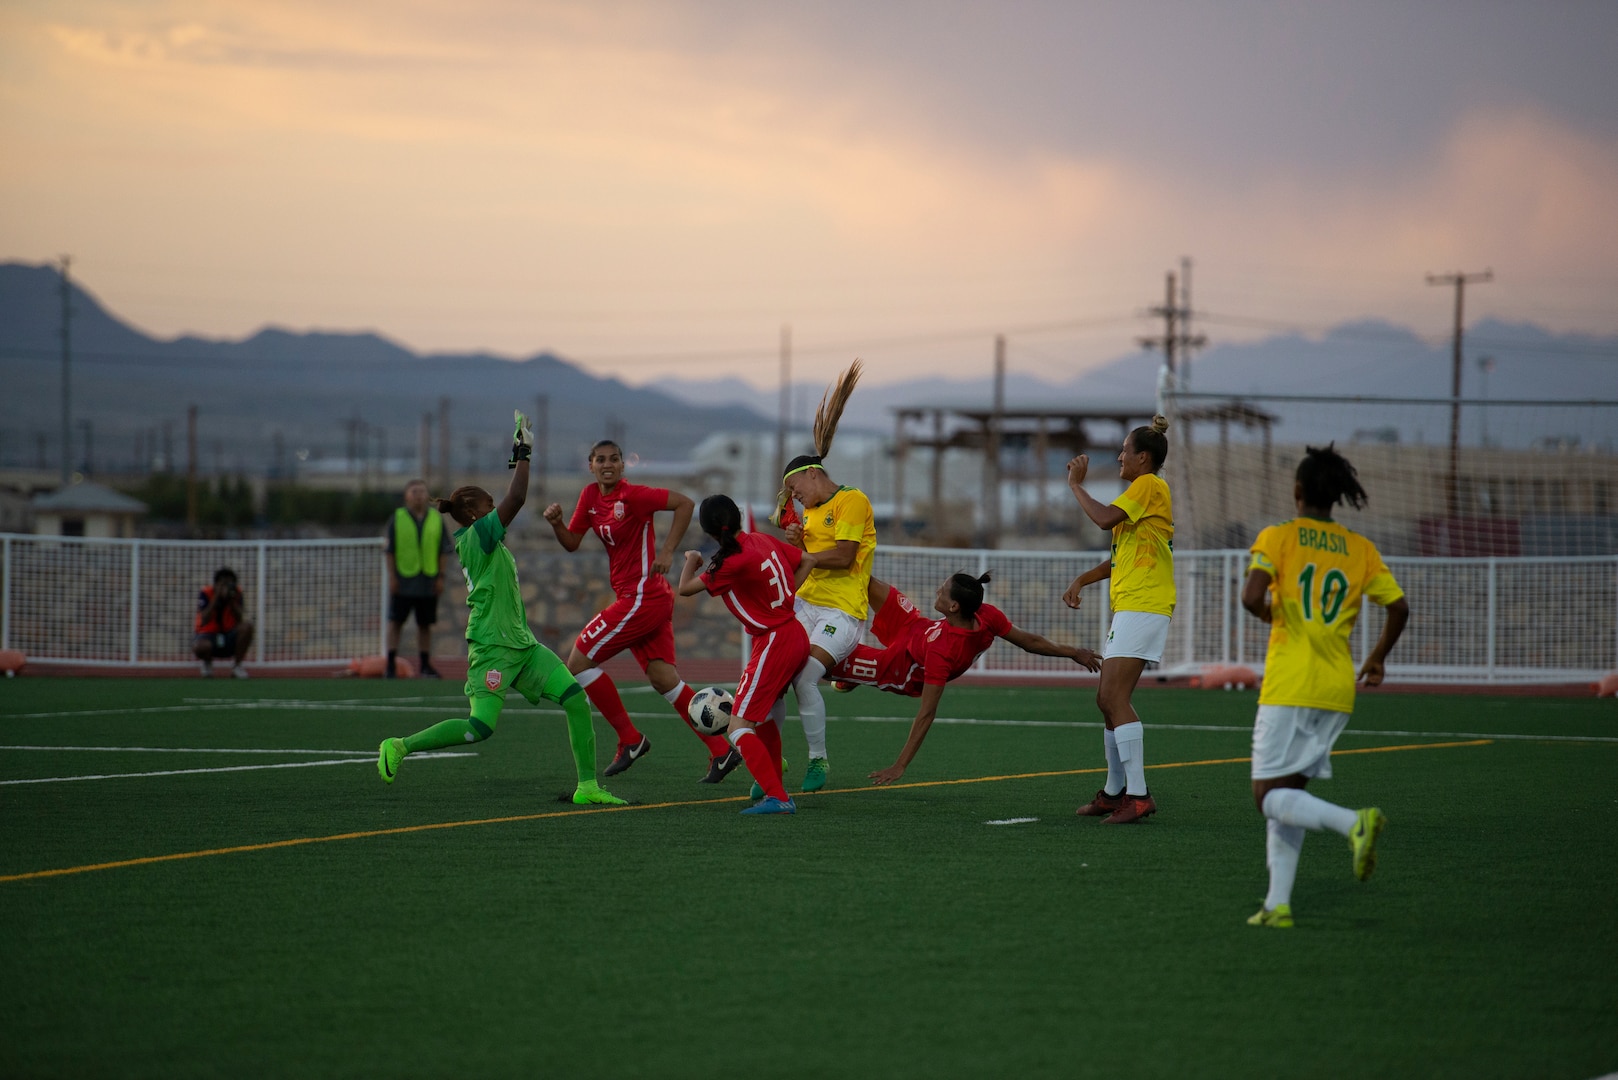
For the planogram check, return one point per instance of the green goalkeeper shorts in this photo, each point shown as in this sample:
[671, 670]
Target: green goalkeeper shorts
[534, 672]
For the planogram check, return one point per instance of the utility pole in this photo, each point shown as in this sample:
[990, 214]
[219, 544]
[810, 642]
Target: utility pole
[1459, 280]
[1185, 321]
[991, 448]
[785, 420]
[67, 384]
[1176, 341]
[191, 469]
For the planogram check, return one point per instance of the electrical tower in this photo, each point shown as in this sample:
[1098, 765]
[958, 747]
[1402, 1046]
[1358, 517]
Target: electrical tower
[1176, 341]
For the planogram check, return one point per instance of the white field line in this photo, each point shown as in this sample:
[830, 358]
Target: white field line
[187, 750]
[1012, 821]
[223, 769]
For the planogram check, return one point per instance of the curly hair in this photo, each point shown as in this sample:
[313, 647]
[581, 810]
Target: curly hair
[1327, 478]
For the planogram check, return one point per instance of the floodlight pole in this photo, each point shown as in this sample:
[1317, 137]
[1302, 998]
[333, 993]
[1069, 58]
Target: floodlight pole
[1459, 280]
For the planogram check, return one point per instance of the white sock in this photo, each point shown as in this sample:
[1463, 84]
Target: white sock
[1132, 750]
[1283, 844]
[811, 706]
[674, 695]
[1115, 764]
[1294, 806]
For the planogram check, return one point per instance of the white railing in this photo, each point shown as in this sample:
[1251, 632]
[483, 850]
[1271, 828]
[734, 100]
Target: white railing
[131, 603]
[1485, 620]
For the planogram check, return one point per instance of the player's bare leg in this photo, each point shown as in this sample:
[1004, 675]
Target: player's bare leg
[1124, 740]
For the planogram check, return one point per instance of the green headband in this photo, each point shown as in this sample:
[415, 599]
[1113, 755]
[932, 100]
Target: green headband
[804, 468]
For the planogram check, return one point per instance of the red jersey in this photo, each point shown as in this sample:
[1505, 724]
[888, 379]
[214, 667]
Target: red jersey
[623, 519]
[934, 652]
[756, 582]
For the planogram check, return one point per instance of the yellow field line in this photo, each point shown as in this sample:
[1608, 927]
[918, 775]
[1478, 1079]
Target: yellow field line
[403, 829]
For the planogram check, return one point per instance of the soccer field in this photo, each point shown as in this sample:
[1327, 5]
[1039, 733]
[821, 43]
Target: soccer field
[210, 879]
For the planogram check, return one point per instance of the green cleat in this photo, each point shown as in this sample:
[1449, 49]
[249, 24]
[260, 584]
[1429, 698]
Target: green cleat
[389, 754]
[590, 793]
[1368, 825]
[814, 777]
[1278, 919]
[756, 793]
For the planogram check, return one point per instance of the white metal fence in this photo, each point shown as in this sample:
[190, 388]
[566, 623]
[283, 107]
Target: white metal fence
[1488, 620]
[132, 602]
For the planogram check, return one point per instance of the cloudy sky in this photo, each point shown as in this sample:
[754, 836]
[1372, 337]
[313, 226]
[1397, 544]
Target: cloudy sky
[655, 188]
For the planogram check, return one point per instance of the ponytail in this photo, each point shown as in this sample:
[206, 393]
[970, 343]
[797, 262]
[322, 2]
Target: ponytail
[721, 519]
[967, 591]
[462, 503]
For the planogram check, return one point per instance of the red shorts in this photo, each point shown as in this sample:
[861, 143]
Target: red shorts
[773, 662]
[643, 625]
[893, 622]
[892, 669]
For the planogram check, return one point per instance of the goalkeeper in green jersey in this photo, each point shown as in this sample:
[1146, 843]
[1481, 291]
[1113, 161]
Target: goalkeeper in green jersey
[502, 652]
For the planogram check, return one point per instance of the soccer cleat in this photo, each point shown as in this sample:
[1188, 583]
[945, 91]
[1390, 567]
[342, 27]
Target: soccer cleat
[429, 672]
[1102, 805]
[722, 766]
[627, 756]
[814, 777]
[756, 792]
[1277, 918]
[390, 671]
[207, 670]
[772, 805]
[591, 793]
[391, 752]
[1136, 808]
[238, 672]
[1368, 825]
[843, 687]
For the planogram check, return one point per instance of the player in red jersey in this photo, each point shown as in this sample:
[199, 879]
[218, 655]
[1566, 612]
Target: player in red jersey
[641, 618]
[756, 576]
[920, 656]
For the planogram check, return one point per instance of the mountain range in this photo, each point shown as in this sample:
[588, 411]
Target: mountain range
[280, 396]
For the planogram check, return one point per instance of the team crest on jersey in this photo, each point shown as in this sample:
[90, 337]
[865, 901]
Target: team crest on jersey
[830, 630]
[618, 510]
[905, 603]
[938, 628]
[828, 519]
[491, 679]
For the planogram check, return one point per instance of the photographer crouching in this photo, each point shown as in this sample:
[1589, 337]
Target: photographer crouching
[220, 629]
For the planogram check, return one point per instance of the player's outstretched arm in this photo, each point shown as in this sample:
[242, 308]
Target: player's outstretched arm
[1105, 515]
[1074, 595]
[683, 508]
[1030, 642]
[691, 575]
[805, 564]
[931, 695]
[1374, 668]
[516, 493]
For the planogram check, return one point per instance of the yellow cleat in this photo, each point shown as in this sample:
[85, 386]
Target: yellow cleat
[1280, 918]
[1368, 826]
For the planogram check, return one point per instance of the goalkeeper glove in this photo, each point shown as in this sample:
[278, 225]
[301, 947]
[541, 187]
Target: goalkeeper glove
[522, 440]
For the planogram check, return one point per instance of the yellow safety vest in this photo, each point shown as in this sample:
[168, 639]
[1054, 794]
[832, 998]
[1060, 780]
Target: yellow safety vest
[421, 557]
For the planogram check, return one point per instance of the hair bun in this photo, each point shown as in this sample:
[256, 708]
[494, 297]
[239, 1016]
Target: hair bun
[1160, 423]
[983, 578]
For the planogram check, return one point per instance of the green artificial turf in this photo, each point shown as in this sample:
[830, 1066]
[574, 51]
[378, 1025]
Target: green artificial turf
[880, 932]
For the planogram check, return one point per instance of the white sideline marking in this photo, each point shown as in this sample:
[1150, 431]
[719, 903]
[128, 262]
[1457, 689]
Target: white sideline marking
[1012, 821]
[228, 768]
[185, 750]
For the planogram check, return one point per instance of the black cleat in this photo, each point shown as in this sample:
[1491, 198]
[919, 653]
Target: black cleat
[627, 756]
[429, 672]
[722, 766]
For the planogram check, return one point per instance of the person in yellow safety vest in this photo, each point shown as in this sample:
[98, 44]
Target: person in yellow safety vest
[416, 545]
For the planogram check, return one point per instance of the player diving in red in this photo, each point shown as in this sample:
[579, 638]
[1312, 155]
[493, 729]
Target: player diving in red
[640, 619]
[756, 576]
[920, 656]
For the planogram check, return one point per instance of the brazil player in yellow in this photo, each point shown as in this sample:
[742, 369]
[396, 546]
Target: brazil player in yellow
[1140, 575]
[1307, 579]
[501, 651]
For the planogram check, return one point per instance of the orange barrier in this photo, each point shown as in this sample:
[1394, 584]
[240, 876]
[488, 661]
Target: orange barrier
[1226, 677]
[1608, 686]
[11, 661]
[372, 667]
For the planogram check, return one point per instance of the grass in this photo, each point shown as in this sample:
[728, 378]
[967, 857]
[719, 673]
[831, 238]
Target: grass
[880, 932]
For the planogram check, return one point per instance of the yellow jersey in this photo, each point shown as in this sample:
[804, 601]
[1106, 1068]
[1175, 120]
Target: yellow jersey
[1319, 573]
[1142, 566]
[845, 516]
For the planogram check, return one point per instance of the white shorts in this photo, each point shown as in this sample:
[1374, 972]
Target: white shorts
[832, 629]
[1294, 740]
[1140, 634]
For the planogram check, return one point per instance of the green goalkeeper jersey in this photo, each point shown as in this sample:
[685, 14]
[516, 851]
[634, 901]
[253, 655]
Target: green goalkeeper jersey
[497, 616]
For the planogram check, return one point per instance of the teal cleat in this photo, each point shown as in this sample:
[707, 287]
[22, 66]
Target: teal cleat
[590, 793]
[389, 754]
[772, 805]
[1368, 825]
[814, 777]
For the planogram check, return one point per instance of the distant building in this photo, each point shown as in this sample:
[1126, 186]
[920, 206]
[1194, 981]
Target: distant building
[86, 509]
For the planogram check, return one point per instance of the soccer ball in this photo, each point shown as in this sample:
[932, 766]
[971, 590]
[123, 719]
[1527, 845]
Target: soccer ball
[710, 710]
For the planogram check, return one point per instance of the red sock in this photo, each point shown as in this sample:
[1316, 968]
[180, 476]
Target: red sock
[770, 732]
[603, 693]
[763, 767]
[682, 705]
